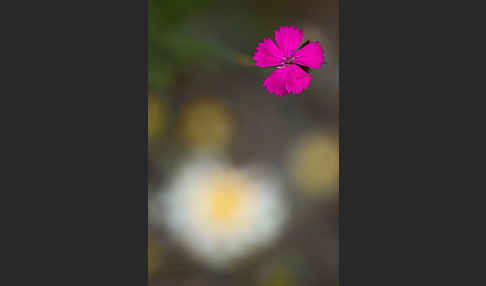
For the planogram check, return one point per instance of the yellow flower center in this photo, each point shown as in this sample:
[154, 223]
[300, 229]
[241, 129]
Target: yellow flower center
[224, 201]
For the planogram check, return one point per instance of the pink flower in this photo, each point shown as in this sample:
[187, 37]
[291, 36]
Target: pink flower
[291, 61]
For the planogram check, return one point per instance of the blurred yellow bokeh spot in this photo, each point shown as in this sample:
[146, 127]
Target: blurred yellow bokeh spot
[206, 124]
[154, 258]
[314, 163]
[157, 117]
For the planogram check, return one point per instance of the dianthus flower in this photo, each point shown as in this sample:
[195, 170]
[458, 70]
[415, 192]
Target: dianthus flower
[292, 63]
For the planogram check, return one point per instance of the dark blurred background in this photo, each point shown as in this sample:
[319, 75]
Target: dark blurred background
[206, 96]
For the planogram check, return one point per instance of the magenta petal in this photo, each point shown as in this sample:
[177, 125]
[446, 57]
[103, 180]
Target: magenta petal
[275, 83]
[288, 79]
[267, 54]
[311, 55]
[288, 39]
[297, 79]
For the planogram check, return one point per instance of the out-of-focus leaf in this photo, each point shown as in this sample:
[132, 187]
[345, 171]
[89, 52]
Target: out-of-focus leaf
[171, 51]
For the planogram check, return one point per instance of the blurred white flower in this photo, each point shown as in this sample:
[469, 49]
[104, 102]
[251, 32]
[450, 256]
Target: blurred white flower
[219, 213]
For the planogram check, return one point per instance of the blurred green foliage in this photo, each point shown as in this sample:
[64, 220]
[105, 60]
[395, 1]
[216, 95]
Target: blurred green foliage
[171, 51]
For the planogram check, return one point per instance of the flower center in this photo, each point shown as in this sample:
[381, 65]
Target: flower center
[289, 59]
[225, 201]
